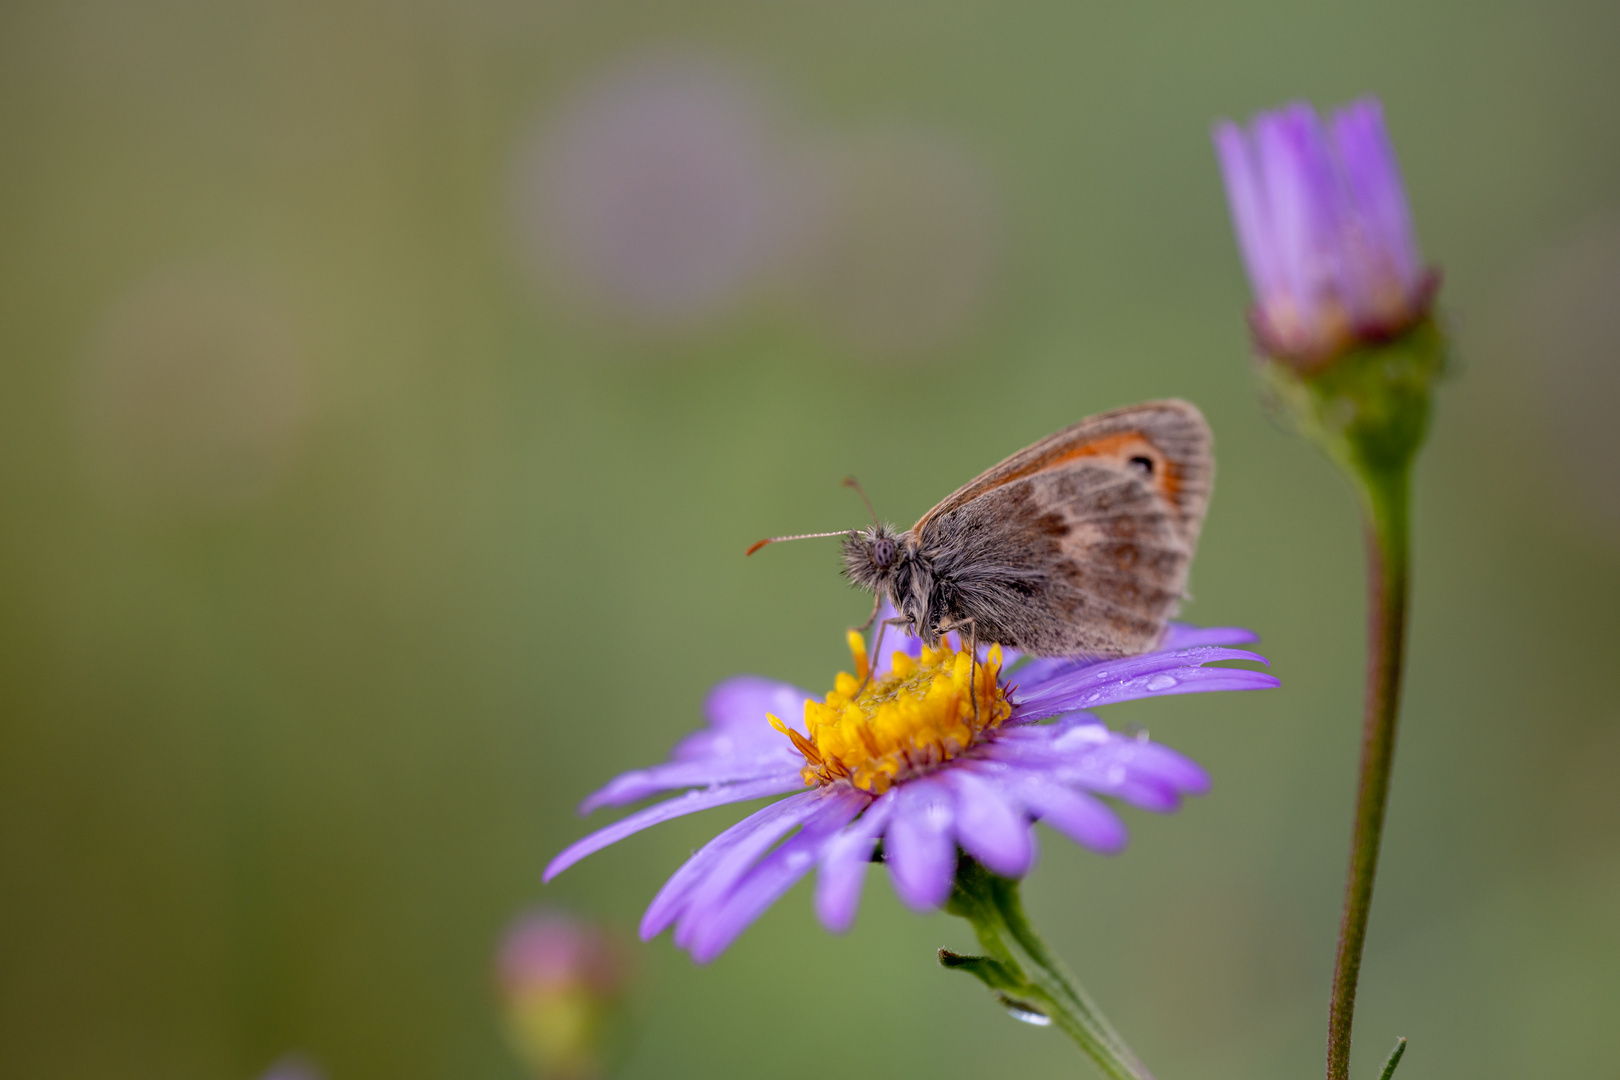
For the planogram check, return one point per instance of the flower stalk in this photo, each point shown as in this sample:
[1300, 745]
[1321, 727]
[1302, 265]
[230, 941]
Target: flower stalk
[1024, 974]
[1369, 412]
[1388, 580]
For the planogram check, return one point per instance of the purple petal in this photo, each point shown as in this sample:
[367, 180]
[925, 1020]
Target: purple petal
[1248, 208]
[669, 809]
[1079, 739]
[720, 924]
[990, 826]
[736, 709]
[763, 887]
[718, 864]
[844, 861]
[1086, 820]
[1305, 204]
[668, 904]
[684, 774]
[1151, 675]
[1036, 677]
[1164, 764]
[1374, 181]
[743, 701]
[1042, 670]
[1087, 755]
[1105, 770]
[711, 887]
[1185, 636]
[918, 846]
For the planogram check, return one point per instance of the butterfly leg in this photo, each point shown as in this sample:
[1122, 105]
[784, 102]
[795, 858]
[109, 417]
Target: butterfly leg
[973, 667]
[877, 647]
[877, 606]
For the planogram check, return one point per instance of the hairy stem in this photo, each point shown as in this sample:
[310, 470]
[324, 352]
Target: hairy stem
[1385, 501]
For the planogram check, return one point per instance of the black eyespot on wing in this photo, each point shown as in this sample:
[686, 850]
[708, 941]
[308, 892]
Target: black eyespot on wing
[1145, 464]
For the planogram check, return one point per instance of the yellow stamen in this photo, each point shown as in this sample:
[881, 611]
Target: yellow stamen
[857, 648]
[916, 717]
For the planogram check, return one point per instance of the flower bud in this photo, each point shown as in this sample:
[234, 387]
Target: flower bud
[562, 983]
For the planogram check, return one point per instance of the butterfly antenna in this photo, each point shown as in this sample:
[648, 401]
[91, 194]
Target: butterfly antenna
[801, 536]
[851, 482]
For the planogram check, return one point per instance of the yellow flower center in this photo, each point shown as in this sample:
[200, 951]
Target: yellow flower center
[875, 731]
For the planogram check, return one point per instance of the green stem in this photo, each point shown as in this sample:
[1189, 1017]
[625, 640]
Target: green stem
[1386, 496]
[1369, 411]
[1025, 974]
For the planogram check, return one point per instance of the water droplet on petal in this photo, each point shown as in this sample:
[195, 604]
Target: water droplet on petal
[1162, 682]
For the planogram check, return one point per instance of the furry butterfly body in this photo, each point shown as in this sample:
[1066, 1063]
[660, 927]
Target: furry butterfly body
[1077, 545]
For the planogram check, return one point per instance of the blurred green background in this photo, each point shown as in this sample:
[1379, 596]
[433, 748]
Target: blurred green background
[376, 462]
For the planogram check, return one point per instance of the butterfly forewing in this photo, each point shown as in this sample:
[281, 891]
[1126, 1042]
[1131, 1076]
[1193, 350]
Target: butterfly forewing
[1079, 544]
[1168, 442]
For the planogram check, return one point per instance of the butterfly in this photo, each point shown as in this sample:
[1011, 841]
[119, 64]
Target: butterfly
[1077, 545]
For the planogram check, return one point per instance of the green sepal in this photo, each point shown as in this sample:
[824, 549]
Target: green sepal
[993, 973]
[1369, 407]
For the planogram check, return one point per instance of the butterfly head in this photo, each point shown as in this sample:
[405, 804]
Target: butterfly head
[872, 557]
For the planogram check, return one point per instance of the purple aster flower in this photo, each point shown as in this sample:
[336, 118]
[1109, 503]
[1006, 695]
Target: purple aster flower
[1322, 221]
[931, 754]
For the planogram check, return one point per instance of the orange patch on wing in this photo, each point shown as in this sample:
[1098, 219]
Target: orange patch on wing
[1122, 447]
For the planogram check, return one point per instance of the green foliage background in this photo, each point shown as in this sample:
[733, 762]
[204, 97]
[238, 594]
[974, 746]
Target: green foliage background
[275, 775]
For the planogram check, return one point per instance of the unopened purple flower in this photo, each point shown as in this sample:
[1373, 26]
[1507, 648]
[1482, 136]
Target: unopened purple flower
[548, 952]
[1322, 221]
[932, 754]
[562, 980]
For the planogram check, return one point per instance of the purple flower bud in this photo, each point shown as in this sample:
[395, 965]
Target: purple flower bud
[562, 982]
[1326, 236]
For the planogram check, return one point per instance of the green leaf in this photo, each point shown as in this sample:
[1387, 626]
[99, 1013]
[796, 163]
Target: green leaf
[1394, 1059]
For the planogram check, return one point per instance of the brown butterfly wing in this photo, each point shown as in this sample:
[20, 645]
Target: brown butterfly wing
[1079, 544]
[1171, 434]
